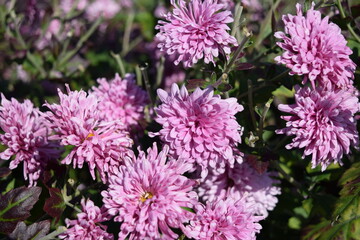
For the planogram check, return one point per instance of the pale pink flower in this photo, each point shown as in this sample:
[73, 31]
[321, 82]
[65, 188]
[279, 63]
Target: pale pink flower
[228, 4]
[257, 190]
[88, 225]
[26, 136]
[122, 99]
[105, 8]
[316, 49]
[323, 123]
[147, 196]
[223, 219]
[196, 30]
[76, 122]
[200, 127]
[67, 5]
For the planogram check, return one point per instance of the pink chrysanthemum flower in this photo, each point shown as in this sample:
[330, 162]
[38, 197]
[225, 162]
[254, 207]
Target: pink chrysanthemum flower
[121, 99]
[223, 219]
[196, 30]
[147, 196]
[243, 182]
[315, 48]
[323, 123]
[87, 225]
[26, 136]
[76, 122]
[200, 127]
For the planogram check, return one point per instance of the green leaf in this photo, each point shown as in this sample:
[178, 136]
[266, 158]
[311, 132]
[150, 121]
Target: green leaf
[345, 222]
[283, 91]
[15, 206]
[33, 232]
[294, 223]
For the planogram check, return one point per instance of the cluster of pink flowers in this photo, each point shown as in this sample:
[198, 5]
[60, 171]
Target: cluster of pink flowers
[26, 134]
[323, 114]
[196, 30]
[148, 195]
[257, 190]
[88, 224]
[76, 122]
[200, 128]
[121, 99]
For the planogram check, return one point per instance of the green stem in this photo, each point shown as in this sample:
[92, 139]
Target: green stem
[348, 25]
[251, 104]
[238, 12]
[120, 63]
[262, 118]
[160, 71]
[80, 43]
[145, 76]
[72, 206]
[126, 39]
[289, 178]
[138, 75]
[53, 234]
[237, 52]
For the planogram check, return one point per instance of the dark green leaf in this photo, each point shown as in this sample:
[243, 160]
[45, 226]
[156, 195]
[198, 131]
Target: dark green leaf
[15, 206]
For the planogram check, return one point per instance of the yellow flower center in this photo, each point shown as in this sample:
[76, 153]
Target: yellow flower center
[146, 196]
[89, 136]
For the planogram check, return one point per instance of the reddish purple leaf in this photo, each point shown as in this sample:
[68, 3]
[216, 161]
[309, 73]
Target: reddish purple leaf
[257, 164]
[35, 231]
[194, 83]
[55, 205]
[15, 206]
[244, 66]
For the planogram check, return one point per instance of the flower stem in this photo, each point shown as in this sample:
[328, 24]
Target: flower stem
[238, 51]
[348, 25]
[263, 116]
[238, 12]
[251, 104]
[120, 63]
[53, 234]
[126, 39]
[145, 76]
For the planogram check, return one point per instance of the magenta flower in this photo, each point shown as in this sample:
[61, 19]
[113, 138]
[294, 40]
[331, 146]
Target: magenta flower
[200, 128]
[76, 122]
[243, 182]
[147, 196]
[195, 30]
[223, 219]
[323, 123]
[121, 99]
[316, 49]
[26, 136]
[87, 225]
